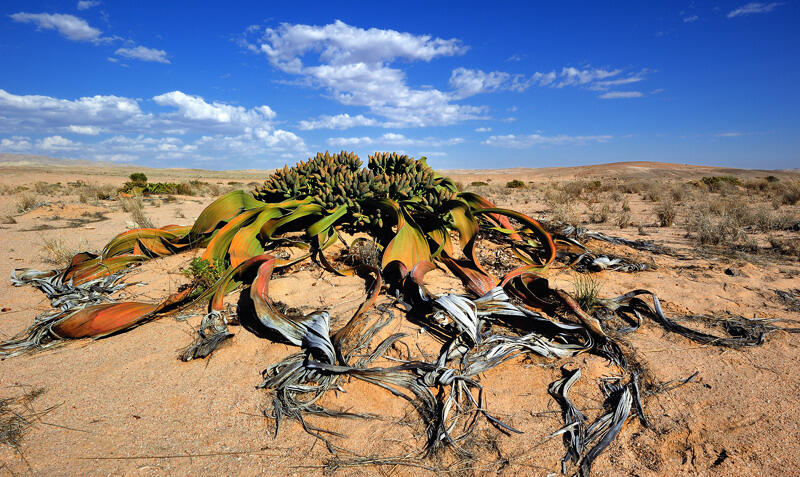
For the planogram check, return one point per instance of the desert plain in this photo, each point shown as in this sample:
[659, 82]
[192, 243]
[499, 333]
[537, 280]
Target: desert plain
[125, 405]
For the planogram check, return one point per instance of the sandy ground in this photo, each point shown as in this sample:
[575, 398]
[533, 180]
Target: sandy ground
[126, 406]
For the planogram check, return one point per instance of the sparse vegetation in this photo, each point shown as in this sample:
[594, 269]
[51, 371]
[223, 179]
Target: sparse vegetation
[91, 193]
[586, 290]
[26, 201]
[515, 184]
[135, 207]
[138, 178]
[666, 213]
[59, 251]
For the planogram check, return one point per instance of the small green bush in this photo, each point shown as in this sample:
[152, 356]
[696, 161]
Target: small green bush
[479, 184]
[138, 177]
[515, 184]
[203, 274]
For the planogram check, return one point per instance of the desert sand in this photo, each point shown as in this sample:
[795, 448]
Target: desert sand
[125, 405]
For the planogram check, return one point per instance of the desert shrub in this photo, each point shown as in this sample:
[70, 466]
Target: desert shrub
[785, 246]
[599, 215]
[478, 184]
[138, 178]
[135, 207]
[573, 189]
[631, 187]
[771, 179]
[515, 184]
[43, 188]
[623, 218]
[719, 183]
[94, 192]
[564, 212]
[665, 213]
[26, 201]
[203, 274]
[653, 195]
[185, 188]
[789, 194]
[708, 227]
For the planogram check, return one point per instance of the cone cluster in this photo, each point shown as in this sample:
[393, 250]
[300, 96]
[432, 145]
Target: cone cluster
[333, 180]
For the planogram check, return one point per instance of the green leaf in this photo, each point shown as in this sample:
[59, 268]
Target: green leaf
[409, 246]
[222, 210]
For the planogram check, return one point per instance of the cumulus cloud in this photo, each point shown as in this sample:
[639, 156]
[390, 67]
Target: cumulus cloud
[144, 54]
[87, 4]
[339, 121]
[69, 26]
[754, 7]
[483, 129]
[45, 113]
[57, 143]
[354, 65]
[621, 94]
[691, 19]
[86, 130]
[15, 144]
[525, 141]
[192, 129]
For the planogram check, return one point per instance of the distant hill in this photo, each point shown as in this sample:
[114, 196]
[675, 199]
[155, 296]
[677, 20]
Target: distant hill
[628, 170]
[23, 160]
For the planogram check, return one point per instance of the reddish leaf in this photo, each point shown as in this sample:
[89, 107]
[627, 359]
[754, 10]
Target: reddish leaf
[99, 320]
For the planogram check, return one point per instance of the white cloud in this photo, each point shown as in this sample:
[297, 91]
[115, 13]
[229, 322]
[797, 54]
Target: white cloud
[691, 19]
[621, 94]
[211, 130]
[144, 54]
[754, 7]
[729, 134]
[45, 113]
[87, 4]
[483, 130]
[392, 139]
[342, 44]
[353, 65]
[56, 143]
[468, 82]
[574, 77]
[529, 140]
[15, 143]
[69, 26]
[339, 121]
[194, 109]
[86, 130]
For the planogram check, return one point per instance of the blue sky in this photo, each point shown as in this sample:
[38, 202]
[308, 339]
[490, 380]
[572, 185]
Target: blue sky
[234, 85]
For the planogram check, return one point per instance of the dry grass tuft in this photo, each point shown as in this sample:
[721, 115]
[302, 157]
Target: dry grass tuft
[59, 252]
[91, 193]
[16, 416]
[666, 213]
[587, 290]
[135, 207]
[27, 201]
